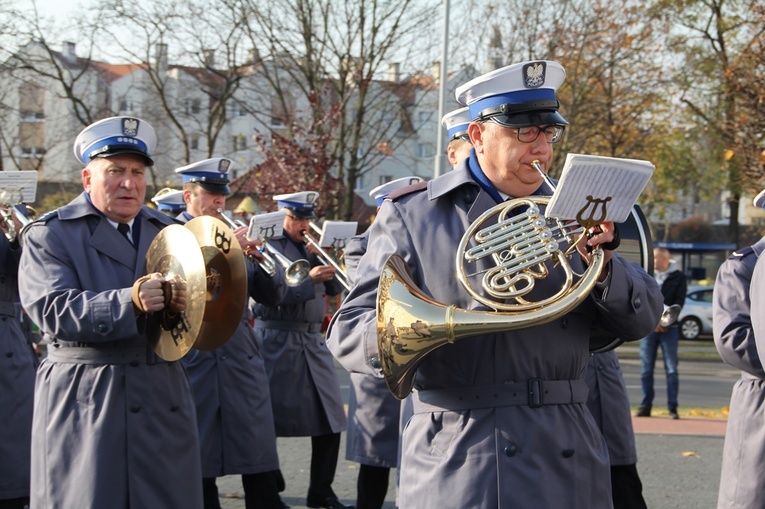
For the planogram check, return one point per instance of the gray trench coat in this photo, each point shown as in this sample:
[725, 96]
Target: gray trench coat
[374, 414]
[610, 406]
[114, 426]
[305, 391]
[18, 363]
[460, 449]
[742, 483]
[230, 387]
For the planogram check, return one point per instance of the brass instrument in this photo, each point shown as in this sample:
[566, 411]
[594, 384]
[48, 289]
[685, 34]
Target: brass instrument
[511, 250]
[327, 259]
[295, 272]
[9, 213]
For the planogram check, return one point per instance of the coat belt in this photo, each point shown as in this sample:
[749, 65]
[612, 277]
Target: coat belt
[288, 326]
[89, 355]
[533, 392]
[10, 309]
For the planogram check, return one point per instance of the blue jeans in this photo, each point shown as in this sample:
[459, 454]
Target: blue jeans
[649, 345]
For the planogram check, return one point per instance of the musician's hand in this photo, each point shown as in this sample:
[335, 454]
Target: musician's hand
[178, 294]
[604, 233]
[249, 247]
[148, 295]
[322, 273]
[311, 248]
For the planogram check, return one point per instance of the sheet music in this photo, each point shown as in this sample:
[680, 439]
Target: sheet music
[266, 226]
[337, 233]
[597, 188]
[18, 186]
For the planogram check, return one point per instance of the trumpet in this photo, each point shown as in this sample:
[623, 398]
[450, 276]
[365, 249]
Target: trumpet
[326, 259]
[295, 272]
[9, 214]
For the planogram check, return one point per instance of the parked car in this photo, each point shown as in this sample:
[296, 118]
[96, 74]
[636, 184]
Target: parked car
[696, 317]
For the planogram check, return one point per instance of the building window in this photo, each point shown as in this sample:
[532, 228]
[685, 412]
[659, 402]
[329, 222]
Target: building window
[240, 142]
[32, 152]
[194, 142]
[237, 110]
[384, 179]
[32, 116]
[193, 106]
[126, 107]
[425, 150]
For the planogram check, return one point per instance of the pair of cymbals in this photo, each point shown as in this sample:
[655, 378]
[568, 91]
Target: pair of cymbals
[208, 257]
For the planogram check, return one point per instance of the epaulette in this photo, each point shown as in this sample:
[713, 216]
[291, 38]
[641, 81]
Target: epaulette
[45, 217]
[741, 253]
[414, 188]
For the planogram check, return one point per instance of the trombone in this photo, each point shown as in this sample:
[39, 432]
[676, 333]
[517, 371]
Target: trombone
[295, 272]
[326, 259]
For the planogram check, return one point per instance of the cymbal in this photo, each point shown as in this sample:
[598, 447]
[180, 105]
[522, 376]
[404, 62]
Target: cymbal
[175, 251]
[226, 290]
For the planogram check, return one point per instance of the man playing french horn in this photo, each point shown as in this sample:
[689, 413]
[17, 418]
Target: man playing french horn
[499, 419]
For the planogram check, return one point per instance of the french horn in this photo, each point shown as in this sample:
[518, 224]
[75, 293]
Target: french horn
[507, 249]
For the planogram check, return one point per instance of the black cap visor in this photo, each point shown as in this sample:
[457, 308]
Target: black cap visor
[213, 187]
[529, 119]
[115, 150]
[301, 213]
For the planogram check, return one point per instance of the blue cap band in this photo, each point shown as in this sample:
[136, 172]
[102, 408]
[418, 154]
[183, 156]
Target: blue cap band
[117, 141]
[295, 205]
[521, 96]
[457, 131]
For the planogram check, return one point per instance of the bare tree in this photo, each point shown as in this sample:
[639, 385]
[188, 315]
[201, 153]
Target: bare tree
[335, 54]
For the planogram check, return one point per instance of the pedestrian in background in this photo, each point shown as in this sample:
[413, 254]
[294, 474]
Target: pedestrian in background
[674, 287]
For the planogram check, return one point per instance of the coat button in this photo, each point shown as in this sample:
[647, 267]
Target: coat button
[9, 354]
[511, 449]
[375, 362]
[636, 302]
[174, 408]
[567, 453]
[135, 409]
[101, 327]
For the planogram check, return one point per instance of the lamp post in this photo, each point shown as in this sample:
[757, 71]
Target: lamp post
[440, 158]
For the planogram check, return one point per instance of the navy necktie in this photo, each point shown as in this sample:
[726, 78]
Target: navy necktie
[124, 229]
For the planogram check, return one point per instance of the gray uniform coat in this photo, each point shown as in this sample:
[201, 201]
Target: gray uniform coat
[305, 391]
[460, 448]
[114, 426]
[610, 406]
[18, 363]
[230, 387]
[742, 483]
[373, 412]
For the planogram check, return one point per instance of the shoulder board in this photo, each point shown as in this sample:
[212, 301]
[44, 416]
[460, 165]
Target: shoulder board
[43, 218]
[414, 188]
[741, 253]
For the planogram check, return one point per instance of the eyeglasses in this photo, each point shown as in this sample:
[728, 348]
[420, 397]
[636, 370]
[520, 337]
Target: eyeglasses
[295, 218]
[553, 133]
